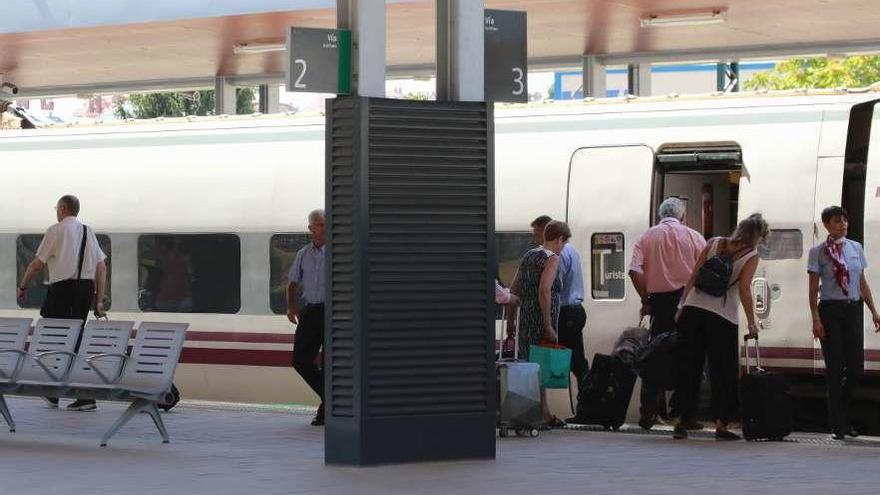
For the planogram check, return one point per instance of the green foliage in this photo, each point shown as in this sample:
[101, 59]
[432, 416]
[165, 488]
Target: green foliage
[180, 104]
[823, 72]
[417, 95]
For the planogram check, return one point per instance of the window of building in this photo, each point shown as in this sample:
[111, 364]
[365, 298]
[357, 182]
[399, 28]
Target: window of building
[189, 273]
[782, 244]
[26, 249]
[607, 266]
[282, 251]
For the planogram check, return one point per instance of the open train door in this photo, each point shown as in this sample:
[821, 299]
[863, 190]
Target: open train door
[609, 207]
[871, 234]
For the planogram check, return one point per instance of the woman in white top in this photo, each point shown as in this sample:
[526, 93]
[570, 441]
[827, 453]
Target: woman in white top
[708, 324]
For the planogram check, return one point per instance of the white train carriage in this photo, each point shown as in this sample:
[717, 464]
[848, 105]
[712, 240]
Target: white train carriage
[201, 217]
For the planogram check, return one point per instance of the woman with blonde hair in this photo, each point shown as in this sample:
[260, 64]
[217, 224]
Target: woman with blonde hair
[708, 323]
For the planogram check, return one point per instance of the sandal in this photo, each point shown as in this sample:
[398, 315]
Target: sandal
[725, 435]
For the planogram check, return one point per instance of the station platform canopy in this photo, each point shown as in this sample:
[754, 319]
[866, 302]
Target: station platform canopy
[51, 47]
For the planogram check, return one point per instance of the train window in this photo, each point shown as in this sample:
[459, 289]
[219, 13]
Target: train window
[189, 273]
[607, 266]
[26, 248]
[511, 246]
[783, 244]
[282, 251]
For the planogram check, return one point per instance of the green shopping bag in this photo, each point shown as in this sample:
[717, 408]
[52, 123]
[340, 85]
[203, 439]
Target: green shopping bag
[555, 363]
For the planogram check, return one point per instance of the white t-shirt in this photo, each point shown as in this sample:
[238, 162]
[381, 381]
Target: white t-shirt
[60, 251]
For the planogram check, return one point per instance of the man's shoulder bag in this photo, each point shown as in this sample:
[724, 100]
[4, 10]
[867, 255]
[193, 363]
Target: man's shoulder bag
[65, 296]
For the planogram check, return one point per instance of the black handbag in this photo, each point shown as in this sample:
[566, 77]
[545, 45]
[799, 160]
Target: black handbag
[61, 296]
[657, 362]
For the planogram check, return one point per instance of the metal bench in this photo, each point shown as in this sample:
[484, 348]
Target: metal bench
[101, 370]
[13, 338]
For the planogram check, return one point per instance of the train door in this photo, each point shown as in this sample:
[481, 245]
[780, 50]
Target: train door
[782, 186]
[869, 229]
[609, 204]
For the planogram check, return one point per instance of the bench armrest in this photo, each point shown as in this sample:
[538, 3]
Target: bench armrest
[18, 363]
[39, 359]
[98, 372]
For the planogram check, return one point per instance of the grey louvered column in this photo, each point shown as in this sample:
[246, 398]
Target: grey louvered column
[410, 319]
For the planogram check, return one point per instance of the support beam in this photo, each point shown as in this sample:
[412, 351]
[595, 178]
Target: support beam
[728, 77]
[460, 53]
[270, 98]
[595, 84]
[366, 20]
[639, 79]
[224, 97]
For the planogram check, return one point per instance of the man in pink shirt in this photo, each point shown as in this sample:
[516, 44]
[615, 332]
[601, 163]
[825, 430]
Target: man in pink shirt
[662, 261]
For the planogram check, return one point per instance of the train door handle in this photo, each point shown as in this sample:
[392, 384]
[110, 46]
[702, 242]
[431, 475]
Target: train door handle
[761, 297]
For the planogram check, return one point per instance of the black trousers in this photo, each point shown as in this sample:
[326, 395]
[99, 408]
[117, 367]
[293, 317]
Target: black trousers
[705, 334]
[664, 305]
[307, 342]
[844, 351]
[572, 320]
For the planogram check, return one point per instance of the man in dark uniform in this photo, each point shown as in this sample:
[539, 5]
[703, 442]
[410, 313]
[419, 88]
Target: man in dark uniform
[305, 309]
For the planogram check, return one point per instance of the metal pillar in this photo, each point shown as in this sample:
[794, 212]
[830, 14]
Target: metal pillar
[594, 74]
[409, 334]
[460, 64]
[639, 79]
[224, 97]
[270, 98]
[728, 77]
[366, 20]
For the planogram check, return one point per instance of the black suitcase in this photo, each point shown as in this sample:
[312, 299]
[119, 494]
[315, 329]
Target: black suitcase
[607, 391]
[766, 401]
[657, 362]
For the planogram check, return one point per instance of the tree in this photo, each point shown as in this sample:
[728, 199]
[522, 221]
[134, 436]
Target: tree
[179, 104]
[822, 72]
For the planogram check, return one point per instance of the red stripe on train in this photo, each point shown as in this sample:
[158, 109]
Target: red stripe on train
[238, 357]
[248, 337]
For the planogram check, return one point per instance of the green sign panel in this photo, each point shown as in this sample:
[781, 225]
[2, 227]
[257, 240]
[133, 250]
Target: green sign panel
[319, 60]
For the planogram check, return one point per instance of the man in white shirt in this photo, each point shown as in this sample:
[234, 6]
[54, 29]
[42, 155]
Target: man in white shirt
[77, 273]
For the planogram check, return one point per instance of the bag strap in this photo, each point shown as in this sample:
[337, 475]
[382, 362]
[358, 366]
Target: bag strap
[82, 252]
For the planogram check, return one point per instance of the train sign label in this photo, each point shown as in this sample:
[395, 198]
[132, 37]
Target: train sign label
[318, 60]
[506, 57]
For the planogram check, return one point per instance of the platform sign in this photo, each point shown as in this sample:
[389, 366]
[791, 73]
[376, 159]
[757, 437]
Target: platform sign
[319, 60]
[506, 56]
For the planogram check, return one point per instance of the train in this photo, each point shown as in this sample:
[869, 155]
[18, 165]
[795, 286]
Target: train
[200, 217]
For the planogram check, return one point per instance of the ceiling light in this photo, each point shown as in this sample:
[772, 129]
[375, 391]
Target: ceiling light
[685, 18]
[252, 48]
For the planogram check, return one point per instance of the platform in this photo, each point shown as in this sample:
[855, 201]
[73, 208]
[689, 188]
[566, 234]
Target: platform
[232, 449]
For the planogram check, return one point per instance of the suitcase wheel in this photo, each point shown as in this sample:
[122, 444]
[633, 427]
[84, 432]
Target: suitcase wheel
[533, 432]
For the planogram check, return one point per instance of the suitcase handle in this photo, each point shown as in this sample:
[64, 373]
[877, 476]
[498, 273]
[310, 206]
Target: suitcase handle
[504, 318]
[747, 337]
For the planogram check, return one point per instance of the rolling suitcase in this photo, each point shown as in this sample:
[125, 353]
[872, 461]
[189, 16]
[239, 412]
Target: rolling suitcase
[519, 393]
[607, 391]
[766, 401]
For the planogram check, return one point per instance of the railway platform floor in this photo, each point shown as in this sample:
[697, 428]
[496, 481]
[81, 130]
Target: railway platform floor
[233, 449]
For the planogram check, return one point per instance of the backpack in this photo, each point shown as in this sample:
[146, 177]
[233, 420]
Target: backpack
[713, 277]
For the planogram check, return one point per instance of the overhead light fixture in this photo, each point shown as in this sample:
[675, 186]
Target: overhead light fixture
[685, 18]
[252, 48]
